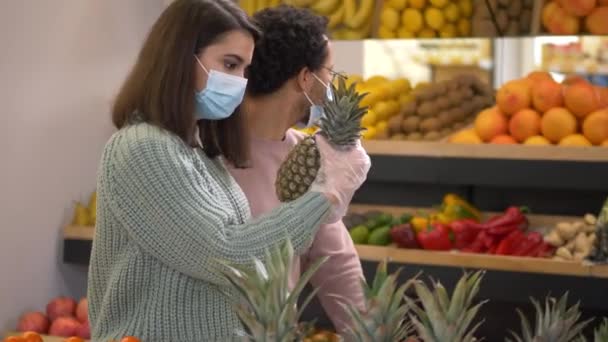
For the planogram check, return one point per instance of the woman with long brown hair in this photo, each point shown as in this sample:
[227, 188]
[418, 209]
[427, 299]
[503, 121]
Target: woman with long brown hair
[168, 210]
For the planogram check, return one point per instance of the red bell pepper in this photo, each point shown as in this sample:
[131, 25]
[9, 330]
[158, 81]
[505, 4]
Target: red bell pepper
[435, 237]
[513, 218]
[465, 232]
[529, 245]
[509, 244]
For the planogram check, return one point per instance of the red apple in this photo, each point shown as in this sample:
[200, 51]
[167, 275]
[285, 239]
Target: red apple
[64, 327]
[61, 307]
[84, 330]
[82, 310]
[34, 321]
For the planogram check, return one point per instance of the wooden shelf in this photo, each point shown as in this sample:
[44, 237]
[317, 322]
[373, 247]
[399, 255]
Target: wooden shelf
[479, 261]
[79, 232]
[485, 151]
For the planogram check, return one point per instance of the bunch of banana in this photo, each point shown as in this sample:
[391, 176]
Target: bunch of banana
[348, 19]
[252, 6]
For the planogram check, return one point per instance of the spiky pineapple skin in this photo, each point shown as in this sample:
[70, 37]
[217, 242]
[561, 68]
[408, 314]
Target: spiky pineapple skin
[340, 126]
[600, 250]
[299, 170]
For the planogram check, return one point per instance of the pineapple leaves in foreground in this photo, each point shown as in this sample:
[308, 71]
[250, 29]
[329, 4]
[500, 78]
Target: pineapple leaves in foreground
[555, 322]
[266, 307]
[601, 333]
[384, 317]
[438, 318]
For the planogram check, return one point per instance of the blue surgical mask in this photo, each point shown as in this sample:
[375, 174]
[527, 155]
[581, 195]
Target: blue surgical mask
[316, 111]
[222, 94]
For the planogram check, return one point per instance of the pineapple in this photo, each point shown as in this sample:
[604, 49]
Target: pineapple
[441, 319]
[555, 323]
[600, 251]
[601, 333]
[267, 308]
[341, 126]
[383, 319]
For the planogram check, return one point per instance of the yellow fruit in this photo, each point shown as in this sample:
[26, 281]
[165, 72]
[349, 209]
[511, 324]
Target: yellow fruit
[382, 126]
[466, 8]
[427, 33]
[464, 27]
[466, 137]
[383, 110]
[404, 33]
[386, 33]
[412, 20]
[439, 3]
[390, 18]
[452, 12]
[419, 4]
[404, 99]
[371, 99]
[448, 31]
[376, 80]
[369, 119]
[82, 216]
[434, 18]
[575, 140]
[354, 79]
[537, 140]
[399, 5]
[401, 86]
[369, 133]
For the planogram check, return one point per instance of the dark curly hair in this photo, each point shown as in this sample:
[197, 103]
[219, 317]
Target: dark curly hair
[292, 38]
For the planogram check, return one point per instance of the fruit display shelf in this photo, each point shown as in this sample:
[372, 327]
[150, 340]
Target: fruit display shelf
[551, 180]
[77, 244]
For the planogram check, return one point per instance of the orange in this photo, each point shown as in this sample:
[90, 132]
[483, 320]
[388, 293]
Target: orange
[558, 123]
[503, 139]
[31, 336]
[130, 339]
[595, 127]
[537, 141]
[575, 140]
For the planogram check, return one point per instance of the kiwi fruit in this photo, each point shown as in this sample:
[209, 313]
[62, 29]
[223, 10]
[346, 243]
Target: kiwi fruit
[430, 124]
[452, 85]
[425, 94]
[445, 132]
[444, 118]
[529, 3]
[483, 27]
[427, 109]
[458, 125]
[465, 80]
[382, 135]
[454, 97]
[478, 103]
[394, 124]
[410, 124]
[459, 113]
[502, 19]
[467, 108]
[409, 109]
[525, 21]
[442, 103]
[432, 136]
[515, 8]
[416, 136]
[466, 93]
[398, 136]
[440, 88]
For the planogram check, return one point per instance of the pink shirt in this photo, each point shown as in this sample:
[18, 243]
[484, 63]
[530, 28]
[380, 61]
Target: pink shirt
[341, 275]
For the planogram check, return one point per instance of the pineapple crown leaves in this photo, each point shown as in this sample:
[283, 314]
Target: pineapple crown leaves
[383, 319]
[601, 333]
[341, 124]
[439, 318]
[267, 308]
[554, 322]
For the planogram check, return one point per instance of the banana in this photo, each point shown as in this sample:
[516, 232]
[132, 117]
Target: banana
[274, 3]
[336, 18]
[260, 5]
[350, 7]
[325, 7]
[302, 3]
[364, 12]
[248, 6]
[355, 34]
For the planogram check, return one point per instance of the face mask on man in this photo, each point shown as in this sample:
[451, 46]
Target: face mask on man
[317, 111]
[220, 97]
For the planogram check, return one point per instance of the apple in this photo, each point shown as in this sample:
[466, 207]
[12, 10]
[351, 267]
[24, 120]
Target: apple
[64, 327]
[34, 321]
[82, 310]
[61, 307]
[84, 330]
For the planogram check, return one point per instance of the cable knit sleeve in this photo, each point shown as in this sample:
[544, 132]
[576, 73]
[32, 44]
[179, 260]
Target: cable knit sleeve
[165, 205]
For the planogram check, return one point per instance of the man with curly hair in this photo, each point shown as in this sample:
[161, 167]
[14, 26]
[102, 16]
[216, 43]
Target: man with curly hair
[289, 80]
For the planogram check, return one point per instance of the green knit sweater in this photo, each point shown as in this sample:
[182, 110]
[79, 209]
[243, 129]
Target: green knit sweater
[166, 213]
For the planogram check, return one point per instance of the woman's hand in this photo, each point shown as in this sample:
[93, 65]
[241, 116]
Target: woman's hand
[341, 174]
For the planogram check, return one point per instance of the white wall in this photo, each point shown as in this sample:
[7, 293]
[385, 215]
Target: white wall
[61, 62]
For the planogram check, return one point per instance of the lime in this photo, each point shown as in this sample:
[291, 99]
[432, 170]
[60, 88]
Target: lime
[359, 234]
[380, 236]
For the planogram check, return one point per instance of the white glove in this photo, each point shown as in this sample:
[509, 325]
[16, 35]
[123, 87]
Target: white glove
[340, 175]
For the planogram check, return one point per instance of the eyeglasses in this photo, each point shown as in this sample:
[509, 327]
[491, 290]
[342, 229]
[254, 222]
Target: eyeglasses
[336, 75]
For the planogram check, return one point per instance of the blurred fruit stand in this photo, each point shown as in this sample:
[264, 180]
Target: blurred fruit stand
[443, 120]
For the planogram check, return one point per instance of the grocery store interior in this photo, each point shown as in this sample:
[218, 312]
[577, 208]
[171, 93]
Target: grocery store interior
[467, 124]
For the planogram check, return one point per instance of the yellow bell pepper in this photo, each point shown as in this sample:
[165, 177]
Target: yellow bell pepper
[420, 223]
[456, 208]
